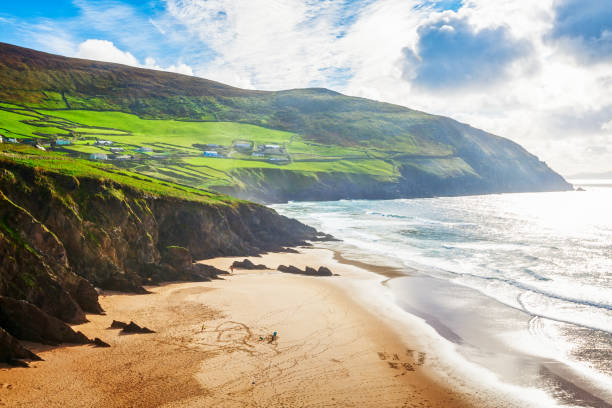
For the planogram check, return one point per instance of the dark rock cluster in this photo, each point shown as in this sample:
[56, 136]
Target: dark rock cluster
[247, 264]
[22, 320]
[130, 328]
[322, 271]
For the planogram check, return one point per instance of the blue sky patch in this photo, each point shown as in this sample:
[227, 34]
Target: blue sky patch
[587, 25]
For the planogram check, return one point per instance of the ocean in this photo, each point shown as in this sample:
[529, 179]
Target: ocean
[518, 284]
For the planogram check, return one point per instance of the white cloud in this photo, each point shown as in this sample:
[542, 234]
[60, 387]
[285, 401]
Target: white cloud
[179, 68]
[284, 44]
[103, 50]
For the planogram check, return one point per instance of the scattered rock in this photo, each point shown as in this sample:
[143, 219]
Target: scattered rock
[11, 351]
[122, 284]
[134, 328]
[290, 269]
[580, 189]
[99, 343]
[202, 272]
[290, 250]
[310, 271]
[246, 264]
[27, 322]
[116, 324]
[324, 237]
[322, 271]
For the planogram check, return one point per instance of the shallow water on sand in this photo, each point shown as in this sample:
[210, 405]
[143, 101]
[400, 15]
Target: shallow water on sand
[520, 283]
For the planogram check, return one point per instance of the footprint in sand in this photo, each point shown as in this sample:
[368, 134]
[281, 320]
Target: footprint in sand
[421, 359]
[416, 358]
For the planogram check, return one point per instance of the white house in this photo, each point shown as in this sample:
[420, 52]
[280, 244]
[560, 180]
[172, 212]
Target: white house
[98, 156]
[104, 142]
[144, 149]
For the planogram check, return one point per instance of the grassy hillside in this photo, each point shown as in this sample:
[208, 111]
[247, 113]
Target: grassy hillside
[316, 134]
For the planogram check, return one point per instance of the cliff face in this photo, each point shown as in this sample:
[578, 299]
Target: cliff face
[60, 236]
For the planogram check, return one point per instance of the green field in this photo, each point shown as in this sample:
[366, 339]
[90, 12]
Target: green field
[58, 163]
[178, 146]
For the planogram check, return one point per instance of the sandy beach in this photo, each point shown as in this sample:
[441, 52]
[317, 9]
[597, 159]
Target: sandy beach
[213, 347]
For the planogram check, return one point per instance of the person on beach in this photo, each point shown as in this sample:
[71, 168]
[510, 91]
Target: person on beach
[231, 268]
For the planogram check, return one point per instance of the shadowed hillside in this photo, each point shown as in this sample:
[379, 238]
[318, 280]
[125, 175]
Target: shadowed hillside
[333, 146]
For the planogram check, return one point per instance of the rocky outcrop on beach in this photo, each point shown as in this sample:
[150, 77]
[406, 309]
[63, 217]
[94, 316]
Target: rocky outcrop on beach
[25, 321]
[309, 271]
[130, 328]
[247, 264]
[61, 236]
[12, 352]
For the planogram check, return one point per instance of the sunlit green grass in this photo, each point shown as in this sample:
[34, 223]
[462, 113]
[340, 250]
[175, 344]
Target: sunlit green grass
[175, 132]
[57, 163]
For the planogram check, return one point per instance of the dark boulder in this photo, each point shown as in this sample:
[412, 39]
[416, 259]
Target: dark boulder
[202, 272]
[134, 328]
[99, 343]
[116, 324]
[27, 322]
[325, 237]
[11, 352]
[246, 264]
[122, 284]
[309, 271]
[290, 269]
[324, 271]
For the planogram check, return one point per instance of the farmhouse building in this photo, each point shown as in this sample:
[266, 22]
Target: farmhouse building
[104, 142]
[211, 153]
[144, 149]
[98, 156]
[62, 142]
[242, 145]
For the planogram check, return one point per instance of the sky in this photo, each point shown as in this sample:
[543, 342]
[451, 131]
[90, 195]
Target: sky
[536, 72]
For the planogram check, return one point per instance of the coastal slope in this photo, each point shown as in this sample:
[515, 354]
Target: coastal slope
[69, 225]
[301, 144]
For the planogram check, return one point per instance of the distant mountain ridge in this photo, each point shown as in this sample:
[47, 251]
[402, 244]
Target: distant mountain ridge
[348, 147]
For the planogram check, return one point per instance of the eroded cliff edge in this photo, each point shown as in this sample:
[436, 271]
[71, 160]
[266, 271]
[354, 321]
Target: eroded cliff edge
[62, 235]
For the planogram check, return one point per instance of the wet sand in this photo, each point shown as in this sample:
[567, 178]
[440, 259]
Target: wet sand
[213, 347]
